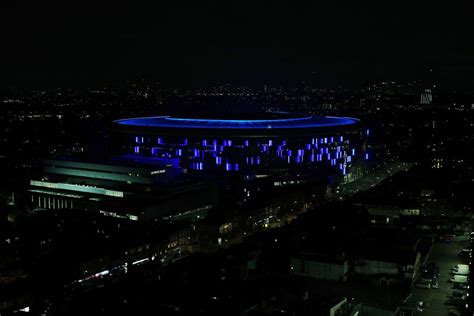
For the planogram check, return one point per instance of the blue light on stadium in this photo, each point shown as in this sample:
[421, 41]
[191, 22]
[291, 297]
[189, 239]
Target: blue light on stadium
[287, 123]
[245, 145]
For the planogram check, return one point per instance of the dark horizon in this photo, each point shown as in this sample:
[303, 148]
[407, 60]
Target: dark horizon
[237, 43]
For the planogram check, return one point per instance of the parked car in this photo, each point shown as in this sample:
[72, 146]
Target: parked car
[412, 306]
[431, 270]
[445, 238]
[460, 286]
[461, 272]
[429, 275]
[465, 253]
[423, 283]
[459, 293]
[459, 279]
[456, 301]
[432, 281]
[460, 267]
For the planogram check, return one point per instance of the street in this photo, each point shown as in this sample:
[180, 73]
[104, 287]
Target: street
[370, 180]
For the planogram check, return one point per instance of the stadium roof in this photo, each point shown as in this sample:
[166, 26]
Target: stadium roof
[285, 123]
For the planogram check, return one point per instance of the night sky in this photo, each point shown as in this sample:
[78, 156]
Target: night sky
[243, 42]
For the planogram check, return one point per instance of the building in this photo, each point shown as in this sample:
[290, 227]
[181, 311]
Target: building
[389, 254]
[426, 97]
[121, 188]
[320, 266]
[278, 143]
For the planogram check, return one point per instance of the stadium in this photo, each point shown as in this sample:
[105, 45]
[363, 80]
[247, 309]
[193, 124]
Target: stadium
[274, 141]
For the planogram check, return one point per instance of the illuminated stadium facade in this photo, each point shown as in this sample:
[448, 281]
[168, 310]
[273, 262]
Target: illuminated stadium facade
[245, 145]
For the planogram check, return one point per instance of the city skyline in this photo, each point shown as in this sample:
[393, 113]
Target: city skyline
[238, 158]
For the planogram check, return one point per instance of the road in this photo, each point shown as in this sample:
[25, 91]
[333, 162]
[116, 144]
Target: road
[445, 255]
[371, 179]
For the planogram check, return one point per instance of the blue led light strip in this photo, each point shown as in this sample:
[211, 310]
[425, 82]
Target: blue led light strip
[300, 122]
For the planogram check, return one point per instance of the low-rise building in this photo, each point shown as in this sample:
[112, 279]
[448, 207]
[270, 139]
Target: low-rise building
[388, 252]
[320, 266]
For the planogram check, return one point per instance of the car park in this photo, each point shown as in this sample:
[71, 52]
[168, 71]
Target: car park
[443, 260]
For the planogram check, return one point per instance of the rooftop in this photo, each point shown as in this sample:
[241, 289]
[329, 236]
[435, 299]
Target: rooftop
[280, 123]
